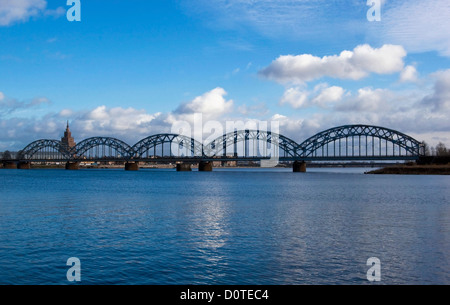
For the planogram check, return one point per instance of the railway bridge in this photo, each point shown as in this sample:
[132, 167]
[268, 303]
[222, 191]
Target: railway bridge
[344, 143]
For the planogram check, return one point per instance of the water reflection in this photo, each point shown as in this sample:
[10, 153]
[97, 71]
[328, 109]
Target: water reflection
[208, 223]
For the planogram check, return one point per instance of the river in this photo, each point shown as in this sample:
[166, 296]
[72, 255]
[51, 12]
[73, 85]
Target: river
[230, 226]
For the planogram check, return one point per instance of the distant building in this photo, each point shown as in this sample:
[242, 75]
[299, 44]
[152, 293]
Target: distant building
[68, 139]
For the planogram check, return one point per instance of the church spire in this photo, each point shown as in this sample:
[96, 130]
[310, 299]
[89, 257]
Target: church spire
[68, 139]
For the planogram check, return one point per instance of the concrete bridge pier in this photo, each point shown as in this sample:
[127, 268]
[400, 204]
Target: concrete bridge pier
[72, 166]
[132, 166]
[204, 166]
[24, 165]
[10, 165]
[184, 167]
[299, 167]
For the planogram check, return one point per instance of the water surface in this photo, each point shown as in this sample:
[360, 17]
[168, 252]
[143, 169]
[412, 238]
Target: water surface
[256, 226]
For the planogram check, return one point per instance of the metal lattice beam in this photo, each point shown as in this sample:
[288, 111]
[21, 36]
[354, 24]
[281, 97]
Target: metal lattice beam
[219, 146]
[313, 144]
[29, 152]
[122, 148]
[150, 143]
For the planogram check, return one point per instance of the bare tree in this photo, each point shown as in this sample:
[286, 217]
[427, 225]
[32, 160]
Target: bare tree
[433, 151]
[441, 150]
[426, 149]
[7, 155]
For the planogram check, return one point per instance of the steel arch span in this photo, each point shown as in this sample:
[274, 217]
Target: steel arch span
[344, 143]
[148, 146]
[251, 140]
[361, 141]
[45, 150]
[101, 147]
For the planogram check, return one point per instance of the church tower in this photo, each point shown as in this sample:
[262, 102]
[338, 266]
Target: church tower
[68, 139]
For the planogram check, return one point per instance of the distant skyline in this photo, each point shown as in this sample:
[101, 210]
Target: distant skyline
[129, 69]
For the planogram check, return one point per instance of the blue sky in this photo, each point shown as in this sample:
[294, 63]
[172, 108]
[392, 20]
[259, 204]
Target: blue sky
[130, 68]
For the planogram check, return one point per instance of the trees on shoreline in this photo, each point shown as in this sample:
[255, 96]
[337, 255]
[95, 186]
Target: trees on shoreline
[439, 150]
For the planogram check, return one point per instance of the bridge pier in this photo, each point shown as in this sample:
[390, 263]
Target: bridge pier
[204, 166]
[72, 166]
[24, 165]
[132, 166]
[184, 167]
[9, 165]
[299, 167]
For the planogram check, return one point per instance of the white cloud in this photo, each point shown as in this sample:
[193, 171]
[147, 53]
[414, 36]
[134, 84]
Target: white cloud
[329, 95]
[117, 120]
[299, 129]
[211, 105]
[416, 112]
[258, 110]
[368, 100]
[12, 11]
[355, 65]
[322, 96]
[417, 25]
[439, 100]
[10, 105]
[66, 113]
[409, 74]
[58, 12]
[39, 101]
[295, 97]
[127, 124]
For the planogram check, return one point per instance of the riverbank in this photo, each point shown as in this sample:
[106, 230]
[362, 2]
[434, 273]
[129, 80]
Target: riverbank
[412, 170]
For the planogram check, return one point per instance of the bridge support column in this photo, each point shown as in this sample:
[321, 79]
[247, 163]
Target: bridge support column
[184, 167]
[72, 166]
[24, 165]
[132, 166]
[299, 167]
[10, 165]
[205, 166]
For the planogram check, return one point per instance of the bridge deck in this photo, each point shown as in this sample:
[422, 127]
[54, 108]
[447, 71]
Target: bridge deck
[219, 159]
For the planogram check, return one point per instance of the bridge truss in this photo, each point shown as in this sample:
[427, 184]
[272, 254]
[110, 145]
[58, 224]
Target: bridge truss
[166, 146]
[350, 142]
[359, 142]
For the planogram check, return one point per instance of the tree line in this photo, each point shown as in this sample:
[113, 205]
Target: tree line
[439, 150]
[7, 155]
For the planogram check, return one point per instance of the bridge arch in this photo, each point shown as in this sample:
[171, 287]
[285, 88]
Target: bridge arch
[360, 141]
[252, 143]
[101, 148]
[167, 145]
[45, 150]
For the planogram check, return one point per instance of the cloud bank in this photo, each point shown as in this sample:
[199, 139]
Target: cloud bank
[354, 65]
[422, 114]
[13, 11]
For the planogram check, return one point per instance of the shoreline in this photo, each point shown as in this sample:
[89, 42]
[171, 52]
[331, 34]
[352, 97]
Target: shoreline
[412, 170]
[394, 169]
